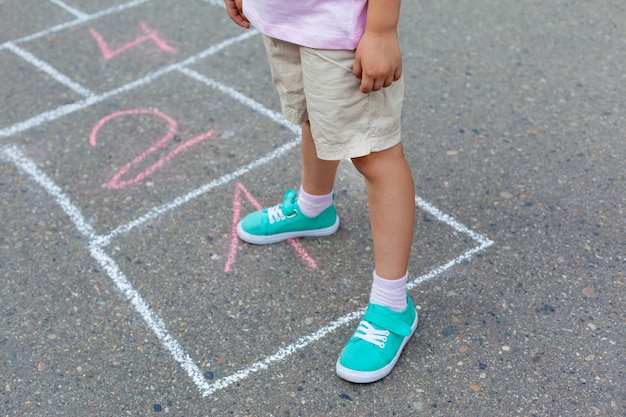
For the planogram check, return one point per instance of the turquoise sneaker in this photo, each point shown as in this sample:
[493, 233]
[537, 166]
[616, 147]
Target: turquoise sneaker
[285, 221]
[373, 350]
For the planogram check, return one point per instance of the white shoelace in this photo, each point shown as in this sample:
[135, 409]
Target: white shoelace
[370, 334]
[275, 214]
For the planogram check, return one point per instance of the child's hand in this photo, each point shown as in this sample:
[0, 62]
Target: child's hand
[235, 11]
[378, 60]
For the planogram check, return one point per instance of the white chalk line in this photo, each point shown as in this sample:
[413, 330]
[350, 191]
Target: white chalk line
[48, 69]
[153, 321]
[67, 25]
[283, 353]
[97, 98]
[218, 3]
[450, 221]
[69, 9]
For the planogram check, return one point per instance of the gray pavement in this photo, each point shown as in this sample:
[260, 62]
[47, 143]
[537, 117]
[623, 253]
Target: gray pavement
[133, 134]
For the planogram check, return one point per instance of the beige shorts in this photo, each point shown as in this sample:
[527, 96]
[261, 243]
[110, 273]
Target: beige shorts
[319, 86]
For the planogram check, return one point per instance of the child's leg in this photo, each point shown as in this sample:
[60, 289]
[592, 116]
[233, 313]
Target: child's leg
[318, 175]
[373, 350]
[312, 213]
[391, 198]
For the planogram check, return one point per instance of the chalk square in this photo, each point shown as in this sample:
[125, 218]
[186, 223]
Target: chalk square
[243, 67]
[120, 47]
[84, 165]
[271, 296]
[26, 91]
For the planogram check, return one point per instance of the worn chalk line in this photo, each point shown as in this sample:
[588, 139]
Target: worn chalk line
[51, 71]
[218, 3]
[242, 98]
[75, 12]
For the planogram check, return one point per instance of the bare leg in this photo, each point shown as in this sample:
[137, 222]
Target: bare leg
[391, 198]
[318, 175]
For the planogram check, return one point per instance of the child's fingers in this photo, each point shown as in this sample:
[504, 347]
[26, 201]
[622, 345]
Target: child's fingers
[236, 14]
[367, 83]
[356, 68]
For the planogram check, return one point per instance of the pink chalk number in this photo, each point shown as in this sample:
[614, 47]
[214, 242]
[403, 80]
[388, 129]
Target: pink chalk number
[150, 35]
[234, 240]
[116, 182]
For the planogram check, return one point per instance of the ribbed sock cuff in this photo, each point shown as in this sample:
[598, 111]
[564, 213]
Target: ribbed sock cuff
[313, 205]
[389, 293]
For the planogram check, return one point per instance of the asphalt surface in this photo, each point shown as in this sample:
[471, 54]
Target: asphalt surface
[124, 292]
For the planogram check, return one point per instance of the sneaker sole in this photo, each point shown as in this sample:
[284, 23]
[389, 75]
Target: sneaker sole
[361, 377]
[279, 237]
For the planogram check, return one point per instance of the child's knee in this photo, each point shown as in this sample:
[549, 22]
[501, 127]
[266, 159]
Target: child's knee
[379, 163]
[365, 165]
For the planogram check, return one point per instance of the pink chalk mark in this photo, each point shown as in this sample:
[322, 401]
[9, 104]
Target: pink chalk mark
[151, 34]
[297, 247]
[116, 183]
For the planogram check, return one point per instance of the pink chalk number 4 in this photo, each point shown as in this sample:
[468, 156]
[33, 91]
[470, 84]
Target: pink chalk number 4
[242, 191]
[149, 35]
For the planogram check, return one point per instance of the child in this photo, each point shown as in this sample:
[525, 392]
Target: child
[337, 67]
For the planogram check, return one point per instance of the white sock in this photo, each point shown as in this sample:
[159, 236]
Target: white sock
[389, 293]
[313, 205]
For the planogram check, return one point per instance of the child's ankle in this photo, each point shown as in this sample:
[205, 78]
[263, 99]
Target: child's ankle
[312, 205]
[389, 293]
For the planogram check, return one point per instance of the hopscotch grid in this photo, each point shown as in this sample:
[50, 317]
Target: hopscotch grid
[97, 242]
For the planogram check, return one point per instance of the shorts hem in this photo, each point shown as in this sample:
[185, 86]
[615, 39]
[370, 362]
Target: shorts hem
[349, 150]
[295, 116]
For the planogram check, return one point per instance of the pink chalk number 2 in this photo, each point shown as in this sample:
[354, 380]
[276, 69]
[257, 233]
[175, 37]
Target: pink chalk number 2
[116, 182]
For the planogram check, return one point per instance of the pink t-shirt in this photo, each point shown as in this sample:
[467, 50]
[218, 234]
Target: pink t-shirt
[319, 24]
